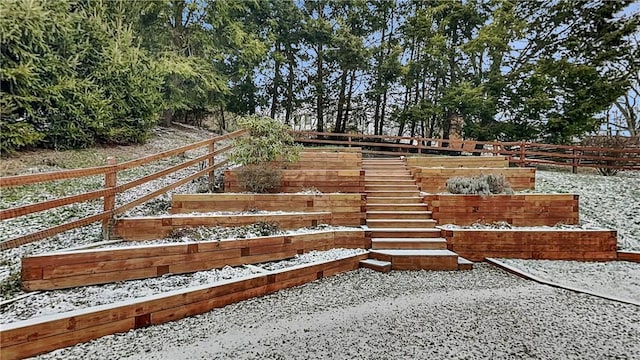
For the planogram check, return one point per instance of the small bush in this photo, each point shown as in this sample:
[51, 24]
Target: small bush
[609, 148]
[259, 178]
[480, 185]
[268, 140]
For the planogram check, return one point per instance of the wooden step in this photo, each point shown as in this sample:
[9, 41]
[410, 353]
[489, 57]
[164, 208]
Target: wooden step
[464, 264]
[394, 200]
[399, 214]
[386, 170]
[370, 179]
[392, 193]
[418, 259]
[377, 265]
[393, 187]
[401, 223]
[397, 207]
[408, 244]
[383, 167]
[404, 233]
[390, 182]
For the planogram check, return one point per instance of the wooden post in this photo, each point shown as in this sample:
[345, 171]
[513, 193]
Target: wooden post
[349, 141]
[110, 182]
[522, 153]
[574, 161]
[211, 162]
[420, 140]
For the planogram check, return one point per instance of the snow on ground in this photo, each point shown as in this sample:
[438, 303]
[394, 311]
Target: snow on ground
[60, 301]
[481, 314]
[620, 279]
[611, 202]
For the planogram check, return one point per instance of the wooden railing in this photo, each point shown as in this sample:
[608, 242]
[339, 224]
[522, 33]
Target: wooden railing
[111, 188]
[520, 152]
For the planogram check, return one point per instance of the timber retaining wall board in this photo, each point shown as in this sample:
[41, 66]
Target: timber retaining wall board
[458, 161]
[327, 181]
[518, 210]
[550, 244]
[326, 160]
[99, 266]
[157, 227]
[346, 209]
[434, 180]
[632, 256]
[43, 334]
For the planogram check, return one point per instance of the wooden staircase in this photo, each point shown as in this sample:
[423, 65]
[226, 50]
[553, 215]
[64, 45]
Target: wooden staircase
[403, 234]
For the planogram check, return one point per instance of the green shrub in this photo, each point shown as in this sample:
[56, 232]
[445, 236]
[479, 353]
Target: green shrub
[480, 185]
[259, 178]
[268, 140]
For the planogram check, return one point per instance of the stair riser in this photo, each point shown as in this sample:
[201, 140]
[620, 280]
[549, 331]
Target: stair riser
[380, 233]
[436, 263]
[381, 179]
[386, 182]
[376, 245]
[390, 200]
[385, 169]
[399, 216]
[400, 224]
[409, 187]
[396, 207]
[393, 193]
[383, 269]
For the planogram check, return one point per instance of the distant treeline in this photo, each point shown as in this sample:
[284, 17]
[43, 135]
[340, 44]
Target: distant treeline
[78, 72]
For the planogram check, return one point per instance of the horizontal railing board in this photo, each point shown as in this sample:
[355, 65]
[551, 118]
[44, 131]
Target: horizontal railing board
[99, 266]
[31, 337]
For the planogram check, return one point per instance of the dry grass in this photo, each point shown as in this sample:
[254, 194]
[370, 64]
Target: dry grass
[51, 160]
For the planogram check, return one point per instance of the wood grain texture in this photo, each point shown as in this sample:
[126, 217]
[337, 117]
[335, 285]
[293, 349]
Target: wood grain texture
[157, 227]
[458, 161]
[434, 180]
[346, 209]
[551, 244]
[40, 335]
[99, 266]
[328, 181]
[518, 210]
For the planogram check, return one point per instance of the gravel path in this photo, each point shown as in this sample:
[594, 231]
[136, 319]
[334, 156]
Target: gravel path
[620, 279]
[484, 313]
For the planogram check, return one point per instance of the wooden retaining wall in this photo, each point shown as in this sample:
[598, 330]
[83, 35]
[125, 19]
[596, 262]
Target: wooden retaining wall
[551, 244]
[40, 335]
[327, 160]
[458, 161]
[434, 180]
[346, 209]
[158, 227]
[632, 256]
[518, 210]
[328, 181]
[100, 266]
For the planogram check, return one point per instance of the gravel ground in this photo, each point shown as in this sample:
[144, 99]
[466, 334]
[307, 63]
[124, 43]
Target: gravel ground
[612, 202]
[484, 313]
[615, 278]
[60, 301]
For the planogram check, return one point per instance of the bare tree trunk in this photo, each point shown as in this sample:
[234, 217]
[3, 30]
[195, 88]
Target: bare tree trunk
[289, 107]
[276, 84]
[341, 101]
